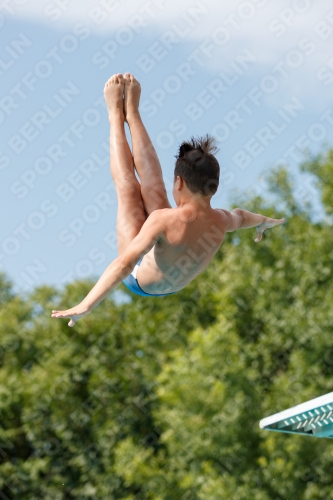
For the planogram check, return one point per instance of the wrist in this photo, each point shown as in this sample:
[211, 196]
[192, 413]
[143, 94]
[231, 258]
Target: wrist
[263, 222]
[86, 306]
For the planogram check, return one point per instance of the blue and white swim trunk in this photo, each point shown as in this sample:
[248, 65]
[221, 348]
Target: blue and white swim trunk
[132, 284]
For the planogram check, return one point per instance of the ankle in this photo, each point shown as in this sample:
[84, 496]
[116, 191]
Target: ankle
[116, 114]
[132, 116]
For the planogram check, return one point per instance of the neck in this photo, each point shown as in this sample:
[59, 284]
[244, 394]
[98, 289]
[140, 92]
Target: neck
[195, 201]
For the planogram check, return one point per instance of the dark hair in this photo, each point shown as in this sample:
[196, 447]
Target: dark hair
[197, 165]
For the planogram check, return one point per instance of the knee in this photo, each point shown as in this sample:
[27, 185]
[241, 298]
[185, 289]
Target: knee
[153, 190]
[128, 185]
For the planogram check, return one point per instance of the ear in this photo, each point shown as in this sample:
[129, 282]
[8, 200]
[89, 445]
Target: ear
[179, 183]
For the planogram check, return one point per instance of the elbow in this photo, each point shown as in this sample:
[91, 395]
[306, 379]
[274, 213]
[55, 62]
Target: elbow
[125, 266]
[238, 211]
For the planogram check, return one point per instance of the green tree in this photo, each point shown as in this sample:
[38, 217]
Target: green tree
[161, 398]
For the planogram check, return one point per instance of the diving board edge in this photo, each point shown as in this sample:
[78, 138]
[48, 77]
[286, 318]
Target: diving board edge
[296, 410]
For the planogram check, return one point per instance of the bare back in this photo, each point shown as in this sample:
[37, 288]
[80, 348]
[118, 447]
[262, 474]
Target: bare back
[191, 240]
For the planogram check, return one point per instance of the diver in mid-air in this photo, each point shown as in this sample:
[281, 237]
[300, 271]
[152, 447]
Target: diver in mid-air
[160, 249]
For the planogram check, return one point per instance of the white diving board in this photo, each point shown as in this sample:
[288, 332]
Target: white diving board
[313, 418]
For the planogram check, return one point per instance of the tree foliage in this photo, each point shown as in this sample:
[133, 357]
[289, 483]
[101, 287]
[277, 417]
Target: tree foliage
[161, 398]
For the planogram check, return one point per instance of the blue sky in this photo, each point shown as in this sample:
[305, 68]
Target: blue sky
[256, 74]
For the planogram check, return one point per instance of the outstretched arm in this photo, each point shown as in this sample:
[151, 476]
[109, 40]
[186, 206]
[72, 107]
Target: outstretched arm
[122, 266]
[242, 219]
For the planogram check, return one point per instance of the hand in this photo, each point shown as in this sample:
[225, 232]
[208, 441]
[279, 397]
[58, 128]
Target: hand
[75, 313]
[267, 224]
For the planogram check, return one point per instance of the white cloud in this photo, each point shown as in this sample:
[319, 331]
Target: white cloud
[271, 29]
[245, 19]
[105, 15]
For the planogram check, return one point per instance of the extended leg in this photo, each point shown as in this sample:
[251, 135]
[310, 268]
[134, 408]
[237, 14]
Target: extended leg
[131, 214]
[146, 161]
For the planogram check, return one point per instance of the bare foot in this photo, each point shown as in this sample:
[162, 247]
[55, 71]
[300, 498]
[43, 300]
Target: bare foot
[113, 95]
[131, 96]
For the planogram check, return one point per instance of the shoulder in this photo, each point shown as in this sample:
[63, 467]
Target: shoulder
[224, 216]
[229, 220]
[158, 220]
[160, 215]
[160, 212]
[167, 221]
[164, 216]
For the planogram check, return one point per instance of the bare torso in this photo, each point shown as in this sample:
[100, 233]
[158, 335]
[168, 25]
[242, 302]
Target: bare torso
[191, 240]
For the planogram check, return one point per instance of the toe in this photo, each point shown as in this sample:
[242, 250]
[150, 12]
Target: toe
[134, 80]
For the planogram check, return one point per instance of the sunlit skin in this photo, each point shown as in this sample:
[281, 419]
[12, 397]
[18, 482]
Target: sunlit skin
[167, 234]
[79, 311]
